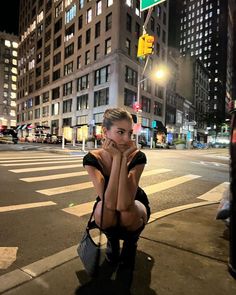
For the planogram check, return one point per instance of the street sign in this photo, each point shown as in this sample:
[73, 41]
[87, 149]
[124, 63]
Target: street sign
[145, 4]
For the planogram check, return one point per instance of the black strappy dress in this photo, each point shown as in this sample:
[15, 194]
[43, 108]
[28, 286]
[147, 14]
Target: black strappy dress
[139, 158]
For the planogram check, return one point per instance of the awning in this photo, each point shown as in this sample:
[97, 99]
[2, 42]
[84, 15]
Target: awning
[160, 127]
[18, 127]
[23, 127]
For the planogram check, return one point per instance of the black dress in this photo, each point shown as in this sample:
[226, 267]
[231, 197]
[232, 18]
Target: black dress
[139, 158]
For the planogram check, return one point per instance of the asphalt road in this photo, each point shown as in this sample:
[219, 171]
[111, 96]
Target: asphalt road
[171, 178]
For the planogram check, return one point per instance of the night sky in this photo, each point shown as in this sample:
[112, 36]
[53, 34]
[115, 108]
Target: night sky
[9, 10]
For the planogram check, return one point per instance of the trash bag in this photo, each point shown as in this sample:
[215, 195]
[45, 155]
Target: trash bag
[223, 211]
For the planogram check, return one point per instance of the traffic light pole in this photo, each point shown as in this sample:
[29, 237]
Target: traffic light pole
[232, 224]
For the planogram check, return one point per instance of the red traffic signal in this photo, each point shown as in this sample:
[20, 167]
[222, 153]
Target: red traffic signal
[137, 107]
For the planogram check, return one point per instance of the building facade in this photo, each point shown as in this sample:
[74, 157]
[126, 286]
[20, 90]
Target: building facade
[78, 58]
[8, 80]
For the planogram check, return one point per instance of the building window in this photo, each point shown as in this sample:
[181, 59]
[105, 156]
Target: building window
[102, 75]
[128, 22]
[68, 68]
[56, 75]
[67, 88]
[82, 102]
[67, 106]
[96, 52]
[89, 16]
[157, 108]
[81, 4]
[101, 97]
[146, 104]
[57, 42]
[87, 57]
[109, 3]
[58, 26]
[69, 50]
[107, 46]
[108, 21]
[45, 112]
[57, 58]
[88, 36]
[79, 65]
[70, 14]
[83, 83]
[80, 23]
[55, 109]
[37, 113]
[98, 7]
[97, 29]
[128, 46]
[130, 97]
[79, 42]
[55, 93]
[131, 76]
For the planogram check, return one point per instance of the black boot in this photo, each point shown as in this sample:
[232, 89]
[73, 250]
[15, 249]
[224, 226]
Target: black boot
[113, 245]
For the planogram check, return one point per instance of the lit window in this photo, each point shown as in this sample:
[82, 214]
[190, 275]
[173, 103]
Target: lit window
[70, 14]
[7, 43]
[98, 7]
[109, 3]
[14, 53]
[129, 2]
[14, 45]
[89, 15]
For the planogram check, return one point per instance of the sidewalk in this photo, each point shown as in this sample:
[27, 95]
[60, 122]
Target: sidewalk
[182, 253]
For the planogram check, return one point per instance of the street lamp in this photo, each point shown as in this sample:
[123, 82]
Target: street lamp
[161, 75]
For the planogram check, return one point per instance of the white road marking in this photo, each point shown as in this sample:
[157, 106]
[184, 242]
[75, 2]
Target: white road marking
[86, 208]
[45, 168]
[26, 206]
[216, 193]
[35, 157]
[210, 164]
[54, 176]
[155, 171]
[41, 163]
[7, 256]
[154, 188]
[41, 160]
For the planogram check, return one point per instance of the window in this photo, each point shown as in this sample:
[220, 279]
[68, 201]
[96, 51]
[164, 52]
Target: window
[157, 108]
[102, 75]
[79, 65]
[67, 88]
[89, 15]
[55, 93]
[57, 42]
[68, 69]
[96, 52]
[37, 113]
[82, 102]
[69, 33]
[57, 58]
[45, 111]
[128, 46]
[130, 97]
[146, 104]
[108, 46]
[87, 57]
[101, 97]
[58, 26]
[70, 14]
[97, 29]
[128, 22]
[55, 109]
[81, 4]
[56, 75]
[83, 83]
[109, 3]
[131, 76]
[80, 23]
[108, 21]
[88, 36]
[67, 106]
[69, 50]
[79, 42]
[98, 7]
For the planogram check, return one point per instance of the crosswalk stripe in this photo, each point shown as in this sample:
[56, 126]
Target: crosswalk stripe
[54, 176]
[26, 206]
[216, 193]
[85, 208]
[82, 173]
[154, 188]
[65, 189]
[35, 157]
[45, 168]
[41, 163]
[84, 185]
[41, 160]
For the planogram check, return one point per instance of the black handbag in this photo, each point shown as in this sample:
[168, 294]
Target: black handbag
[88, 251]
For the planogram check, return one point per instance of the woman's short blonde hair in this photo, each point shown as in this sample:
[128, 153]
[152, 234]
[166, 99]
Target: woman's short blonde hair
[112, 115]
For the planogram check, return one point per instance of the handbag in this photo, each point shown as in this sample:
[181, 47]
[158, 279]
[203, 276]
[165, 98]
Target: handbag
[88, 251]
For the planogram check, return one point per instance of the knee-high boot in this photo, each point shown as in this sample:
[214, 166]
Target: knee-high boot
[113, 245]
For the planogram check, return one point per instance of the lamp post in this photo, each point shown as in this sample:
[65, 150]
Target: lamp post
[160, 74]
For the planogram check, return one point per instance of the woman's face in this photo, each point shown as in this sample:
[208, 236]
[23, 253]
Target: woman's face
[121, 133]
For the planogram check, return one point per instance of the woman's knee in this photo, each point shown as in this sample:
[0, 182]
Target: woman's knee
[109, 217]
[135, 217]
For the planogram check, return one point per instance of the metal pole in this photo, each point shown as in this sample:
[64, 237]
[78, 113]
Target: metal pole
[232, 224]
[138, 101]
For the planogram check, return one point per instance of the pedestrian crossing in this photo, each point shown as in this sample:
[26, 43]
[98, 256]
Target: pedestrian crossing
[64, 162]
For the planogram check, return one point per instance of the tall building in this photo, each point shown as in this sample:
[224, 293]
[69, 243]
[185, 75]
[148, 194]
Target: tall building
[77, 58]
[8, 79]
[204, 30]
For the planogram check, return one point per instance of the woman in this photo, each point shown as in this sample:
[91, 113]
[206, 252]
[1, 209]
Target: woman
[115, 170]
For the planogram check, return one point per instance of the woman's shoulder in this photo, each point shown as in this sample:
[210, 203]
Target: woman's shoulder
[138, 158]
[92, 159]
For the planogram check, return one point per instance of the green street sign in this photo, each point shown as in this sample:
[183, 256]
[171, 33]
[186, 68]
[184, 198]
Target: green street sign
[145, 4]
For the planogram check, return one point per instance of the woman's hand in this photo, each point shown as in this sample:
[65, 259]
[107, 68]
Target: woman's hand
[130, 150]
[110, 146]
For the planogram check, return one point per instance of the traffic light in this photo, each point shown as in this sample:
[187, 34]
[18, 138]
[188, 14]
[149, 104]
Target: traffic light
[141, 43]
[145, 45]
[137, 107]
[148, 44]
